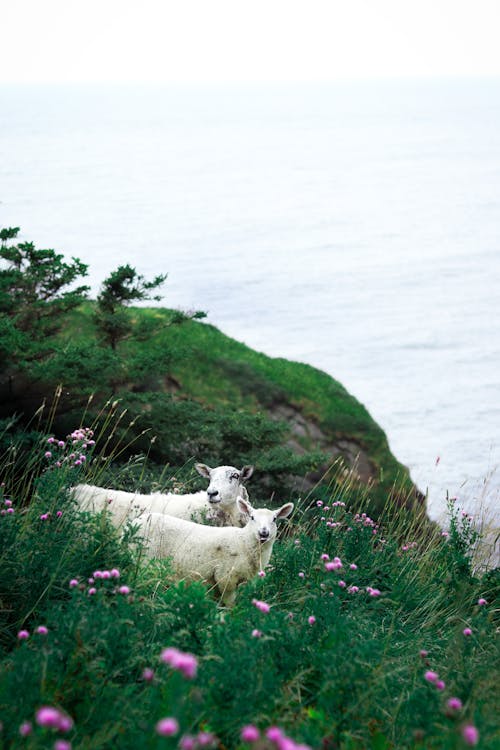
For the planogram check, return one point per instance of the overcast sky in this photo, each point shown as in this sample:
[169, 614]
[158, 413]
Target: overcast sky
[246, 40]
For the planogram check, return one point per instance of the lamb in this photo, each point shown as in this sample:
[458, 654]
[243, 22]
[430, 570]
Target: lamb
[222, 557]
[216, 504]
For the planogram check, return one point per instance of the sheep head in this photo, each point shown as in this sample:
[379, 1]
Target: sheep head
[262, 521]
[225, 482]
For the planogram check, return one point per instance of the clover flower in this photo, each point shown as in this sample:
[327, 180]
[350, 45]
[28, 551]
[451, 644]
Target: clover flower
[183, 662]
[25, 729]
[261, 606]
[53, 718]
[167, 727]
[470, 734]
[249, 733]
[431, 676]
[454, 703]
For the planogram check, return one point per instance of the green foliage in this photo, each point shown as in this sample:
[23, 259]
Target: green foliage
[34, 294]
[119, 289]
[351, 678]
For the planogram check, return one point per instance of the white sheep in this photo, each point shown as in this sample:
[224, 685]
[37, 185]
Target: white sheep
[222, 557]
[216, 505]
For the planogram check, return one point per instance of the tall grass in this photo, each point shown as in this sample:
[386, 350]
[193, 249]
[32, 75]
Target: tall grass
[377, 635]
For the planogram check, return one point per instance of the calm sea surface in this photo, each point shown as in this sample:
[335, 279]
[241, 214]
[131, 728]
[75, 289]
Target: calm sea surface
[355, 227]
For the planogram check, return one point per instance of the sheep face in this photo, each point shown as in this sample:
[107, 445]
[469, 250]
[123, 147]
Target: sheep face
[224, 482]
[263, 522]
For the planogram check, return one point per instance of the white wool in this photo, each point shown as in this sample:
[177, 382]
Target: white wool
[222, 557]
[215, 505]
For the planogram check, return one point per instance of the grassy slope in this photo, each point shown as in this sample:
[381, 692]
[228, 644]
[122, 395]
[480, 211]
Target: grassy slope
[216, 370]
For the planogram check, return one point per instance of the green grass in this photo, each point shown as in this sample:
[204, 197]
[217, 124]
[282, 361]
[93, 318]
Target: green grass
[221, 375]
[351, 679]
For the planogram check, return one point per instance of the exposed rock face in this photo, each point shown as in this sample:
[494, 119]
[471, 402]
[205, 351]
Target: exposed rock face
[305, 430]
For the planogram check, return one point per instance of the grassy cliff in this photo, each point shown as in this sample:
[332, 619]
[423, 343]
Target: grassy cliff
[205, 396]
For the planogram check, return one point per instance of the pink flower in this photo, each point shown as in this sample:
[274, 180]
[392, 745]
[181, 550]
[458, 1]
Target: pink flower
[334, 564]
[42, 630]
[353, 566]
[92, 591]
[440, 685]
[373, 592]
[167, 727]
[274, 734]
[262, 606]
[124, 590]
[148, 674]
[423, 653]
[256, 633]
[23, 635]
[59, 514]
[205, 738]
[73, 583]
[8, 503]
[431, 676]
[25, 729]
[62, 745]
[467, 632]
[185, 663]
[342, 584]
[454, 703]
[470, 734]
[353, 589]
[48, 454]
[301, 574]
[115, 573]
[10, 511]
[65, 723]
[249, 733]
[261, 573]
[187, 742]
[48, 716]
[481, 602]
[44, 516]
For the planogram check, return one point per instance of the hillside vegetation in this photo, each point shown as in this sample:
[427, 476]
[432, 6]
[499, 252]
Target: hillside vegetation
[193, 393]
[370, 629]
[359, 636]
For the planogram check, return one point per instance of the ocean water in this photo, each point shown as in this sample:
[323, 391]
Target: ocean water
[352, 226]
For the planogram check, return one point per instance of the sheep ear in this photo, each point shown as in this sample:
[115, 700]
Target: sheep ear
[243, 493]
[203, 469]
[284, 511]
[246, 473]
[244, 506]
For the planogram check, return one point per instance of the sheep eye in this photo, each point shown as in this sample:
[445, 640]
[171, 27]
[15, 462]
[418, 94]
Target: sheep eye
[253, 518]
[274, 518]
[234, 476]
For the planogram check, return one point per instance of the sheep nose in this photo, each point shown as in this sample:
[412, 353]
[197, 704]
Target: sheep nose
[264, 533]
[212, 496]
